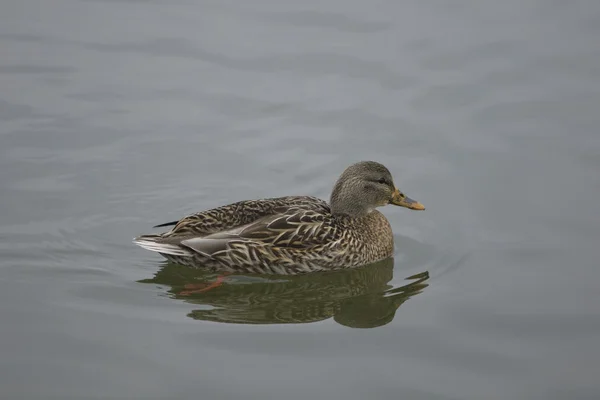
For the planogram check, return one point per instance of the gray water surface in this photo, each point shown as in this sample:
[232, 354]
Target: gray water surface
[116, 115]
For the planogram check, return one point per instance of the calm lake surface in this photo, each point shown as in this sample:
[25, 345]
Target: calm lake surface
[117, 115]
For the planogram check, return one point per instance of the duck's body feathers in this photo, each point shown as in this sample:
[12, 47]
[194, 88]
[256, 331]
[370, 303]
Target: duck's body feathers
[286, 235]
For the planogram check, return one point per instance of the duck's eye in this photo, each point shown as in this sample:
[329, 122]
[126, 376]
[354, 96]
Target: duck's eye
[382, 180]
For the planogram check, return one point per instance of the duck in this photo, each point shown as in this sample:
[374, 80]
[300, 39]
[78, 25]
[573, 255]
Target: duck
[290, 235]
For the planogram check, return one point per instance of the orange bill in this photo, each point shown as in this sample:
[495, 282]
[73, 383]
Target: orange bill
[399, 199]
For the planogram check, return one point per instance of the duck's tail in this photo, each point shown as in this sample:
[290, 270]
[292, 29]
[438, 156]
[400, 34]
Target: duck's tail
[166, 224]
[156, 243]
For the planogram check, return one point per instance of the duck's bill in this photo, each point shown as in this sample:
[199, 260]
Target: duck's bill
[403, 201]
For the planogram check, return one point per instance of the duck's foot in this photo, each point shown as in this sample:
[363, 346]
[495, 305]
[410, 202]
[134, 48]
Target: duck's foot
[191, 288]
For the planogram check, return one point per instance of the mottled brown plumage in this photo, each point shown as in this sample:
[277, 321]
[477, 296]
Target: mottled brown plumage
[290, 235]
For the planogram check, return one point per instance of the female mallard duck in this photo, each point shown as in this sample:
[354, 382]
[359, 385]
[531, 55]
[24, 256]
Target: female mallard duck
[290, 235]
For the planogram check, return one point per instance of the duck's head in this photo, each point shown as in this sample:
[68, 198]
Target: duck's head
[364, 186]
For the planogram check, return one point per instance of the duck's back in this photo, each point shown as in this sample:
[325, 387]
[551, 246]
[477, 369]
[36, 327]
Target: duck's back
[241, 213]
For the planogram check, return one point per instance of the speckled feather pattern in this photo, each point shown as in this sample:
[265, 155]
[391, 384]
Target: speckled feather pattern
[285, 235]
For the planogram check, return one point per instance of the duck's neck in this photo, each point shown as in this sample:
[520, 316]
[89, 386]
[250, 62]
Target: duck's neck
[342, 202]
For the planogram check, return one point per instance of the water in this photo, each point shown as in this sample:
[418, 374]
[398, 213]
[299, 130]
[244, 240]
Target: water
[116, 115]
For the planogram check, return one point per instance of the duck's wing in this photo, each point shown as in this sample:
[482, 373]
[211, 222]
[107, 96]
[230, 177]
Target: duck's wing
[285, 222]
[296, 228]
[233, 215]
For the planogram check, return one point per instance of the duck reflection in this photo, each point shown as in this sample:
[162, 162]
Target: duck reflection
[357, 298]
